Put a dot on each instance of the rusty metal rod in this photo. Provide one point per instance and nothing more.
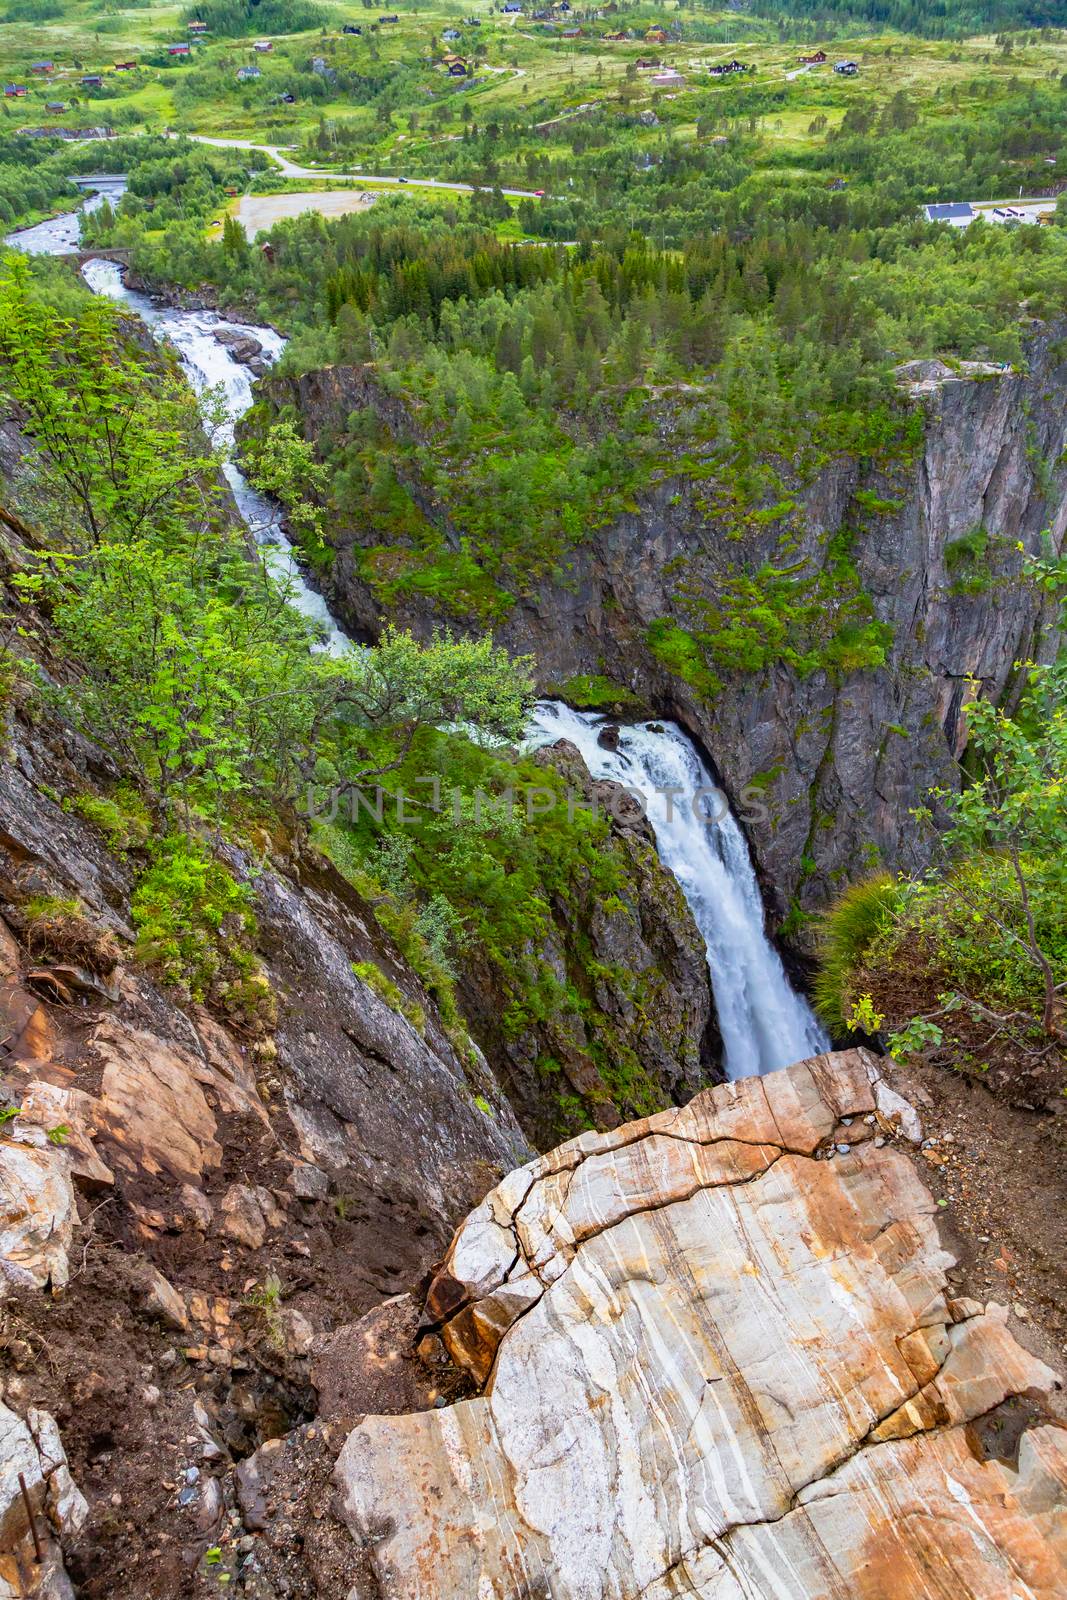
(38, 1552)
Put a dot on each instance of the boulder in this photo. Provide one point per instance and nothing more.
(196, 1210)
(246, 1215)
(33, 1450)
(48, 1106)
(241, 1217)
(716, 1364)
(66, 1505)
(160, 1299)
(152, 1107)
(297, 1334)
(253, 1479)
(242, 345)
(38, 1210)
(309, 1182)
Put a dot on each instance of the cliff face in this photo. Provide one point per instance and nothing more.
(198, 1199)
(187, 1201)
(839, 757)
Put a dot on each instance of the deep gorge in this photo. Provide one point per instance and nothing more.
(839, 758)
(533, 804)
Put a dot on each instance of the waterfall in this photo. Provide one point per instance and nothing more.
(764, 1023)
(210, 368)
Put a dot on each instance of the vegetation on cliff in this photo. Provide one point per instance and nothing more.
(708, 320)
(968, 964)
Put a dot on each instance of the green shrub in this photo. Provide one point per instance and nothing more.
(426, 937)
(196, 929)
(969, 929)
(122, 818)
(849, 929)
(967, 559)
(875, 505)
(595, 692)
(10, 672)
(680, 653)
(967, 550)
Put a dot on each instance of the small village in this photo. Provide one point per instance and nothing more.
(666, 67)
(556, 20)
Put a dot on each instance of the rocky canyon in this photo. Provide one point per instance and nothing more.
(533, 756)
(830, 760)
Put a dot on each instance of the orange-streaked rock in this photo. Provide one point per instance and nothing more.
(712, 1364)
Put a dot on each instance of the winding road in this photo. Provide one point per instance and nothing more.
(292, 170)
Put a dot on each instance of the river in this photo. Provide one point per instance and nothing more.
(764, 1023)
(208, 365)
(61, 236)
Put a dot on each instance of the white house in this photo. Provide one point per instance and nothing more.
(959, 213)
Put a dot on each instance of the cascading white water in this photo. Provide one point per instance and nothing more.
(765, 1024)
(61, 236)
(208, 365)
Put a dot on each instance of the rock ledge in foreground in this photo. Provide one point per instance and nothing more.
(716, 1365)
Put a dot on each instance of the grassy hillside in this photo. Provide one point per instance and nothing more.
(384, 94)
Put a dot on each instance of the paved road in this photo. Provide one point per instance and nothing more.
(1031, 209)
(292, 170)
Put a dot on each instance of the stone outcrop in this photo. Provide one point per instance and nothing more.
(38, 1211)
(243, 348)
(365, 1091)
(720, 1356)
(839, 761)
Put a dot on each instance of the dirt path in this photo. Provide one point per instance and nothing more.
(998, 1173)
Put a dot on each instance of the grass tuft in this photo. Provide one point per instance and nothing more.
(849, 929)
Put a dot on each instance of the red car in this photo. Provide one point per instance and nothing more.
(539, 194)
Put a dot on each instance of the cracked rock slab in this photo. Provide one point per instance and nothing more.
(715, 1364)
